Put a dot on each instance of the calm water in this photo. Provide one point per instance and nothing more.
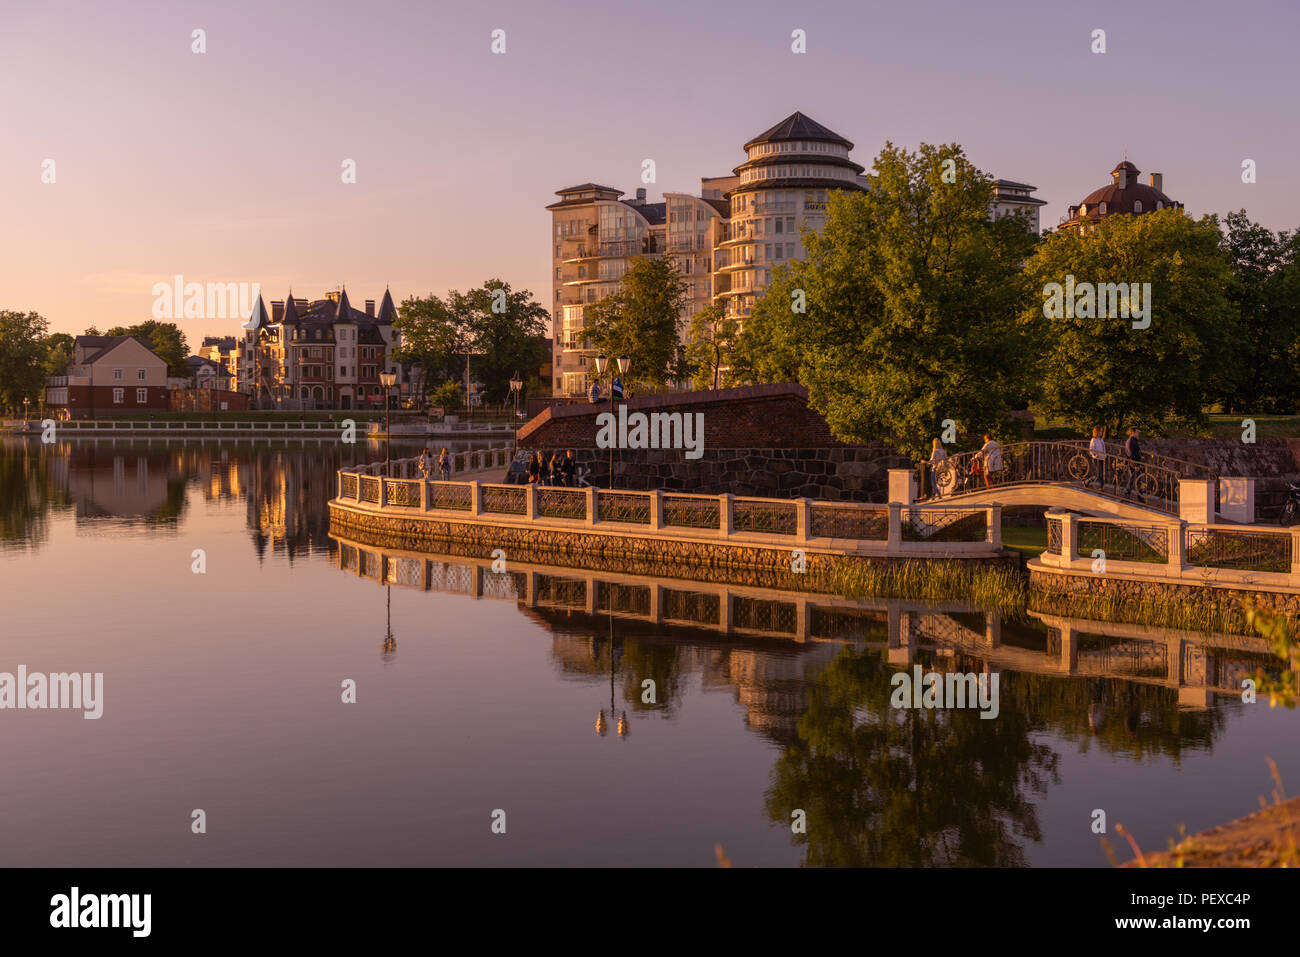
(222, 692)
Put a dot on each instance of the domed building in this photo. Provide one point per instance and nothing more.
(1124, 195)
(780, 188)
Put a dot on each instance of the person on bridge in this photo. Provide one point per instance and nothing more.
(937, 457)
(535, 468)
(444, 464)
(568, 469)
(991, 455)
(424, 462)
(1133, 452)
(1097, 451)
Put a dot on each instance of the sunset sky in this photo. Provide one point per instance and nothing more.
(225, 166)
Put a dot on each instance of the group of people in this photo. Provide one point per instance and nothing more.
(987, 463)
(560, 470)
(444, 463)
(595, 395)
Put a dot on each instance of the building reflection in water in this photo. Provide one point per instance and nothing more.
(811, 673)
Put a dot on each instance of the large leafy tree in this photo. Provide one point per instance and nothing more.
(502, 331)
(906, 310)
(166, 339)
(711, 349)
(433, 339)
(642, 320)
(58, 353)
(22, 358)
(1265, 292)
(508, 331)
(1103, 371)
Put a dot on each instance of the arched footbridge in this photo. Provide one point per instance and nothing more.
(1065, 475)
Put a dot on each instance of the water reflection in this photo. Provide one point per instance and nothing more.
(898, 787)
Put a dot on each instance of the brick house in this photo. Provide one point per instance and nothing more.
(108, 375)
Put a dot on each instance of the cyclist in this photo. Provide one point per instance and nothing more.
(1133, 453)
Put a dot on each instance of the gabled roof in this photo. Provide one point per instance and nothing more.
(95, 348)
(796, 126)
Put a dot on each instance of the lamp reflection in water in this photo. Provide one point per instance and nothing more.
(602, 725)
(389, 648)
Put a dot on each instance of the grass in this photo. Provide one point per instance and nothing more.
(1031, 540)
(1005, 589)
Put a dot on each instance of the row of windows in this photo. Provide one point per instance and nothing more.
(140, 374)
(779, 172)
(767, 149)
(141, 396)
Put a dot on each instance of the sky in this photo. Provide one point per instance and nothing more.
(227, 165)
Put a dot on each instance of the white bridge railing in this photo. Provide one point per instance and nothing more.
(894, 528)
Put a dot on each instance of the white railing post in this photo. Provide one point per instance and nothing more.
(1295, 555)
(656, 509)
(593, 515)
(339, 478)
(1069, 539)
(424, 494)
(993, 534)
(475, 503)
(1196, 501)
(726, 515)
(1177, 545)
(802, 518)
(895, 539)
(383, 491)
(530, 502)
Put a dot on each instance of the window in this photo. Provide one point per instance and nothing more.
(118, 395)
(139, 374)
(1137, 205)
(141, 396)
(778, 224)
(117, 375)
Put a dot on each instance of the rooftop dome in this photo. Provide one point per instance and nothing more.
(1124, 195)
(796, 126)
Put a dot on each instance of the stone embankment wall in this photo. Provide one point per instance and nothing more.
(758, 440)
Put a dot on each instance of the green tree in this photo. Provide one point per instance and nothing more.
(433, 339)
(59, 348)
(711, 349)
(22, 358)
(1103, 371)
(166, 339)
(1265, 293)
(906, 310)
(508, 331)
(642, 320)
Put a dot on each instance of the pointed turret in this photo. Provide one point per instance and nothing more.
(290, 313)
(259, 317)
(387, 311)
(343, 312)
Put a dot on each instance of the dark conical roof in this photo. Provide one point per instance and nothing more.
(796, 126)
(387, 311)
(290, 313)
(344, 310)
(259, 316)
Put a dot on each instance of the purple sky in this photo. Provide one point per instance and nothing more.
(225, 167)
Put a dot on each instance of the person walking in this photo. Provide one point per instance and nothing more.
(535, 468)
(568, 469)
(1133, 453)
(554, 470)
(991, 456)
(444, 464)
(424, 462)
(937, 458)
(1097, 452)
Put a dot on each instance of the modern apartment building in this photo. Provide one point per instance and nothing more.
(1010, 197)
(322, 354)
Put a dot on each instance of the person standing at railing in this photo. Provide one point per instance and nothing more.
(1097, 451)
(444, 464)
(535, 468)
(937, 457)
(1133, 452)
(567, 469)
(990, 455)
(553, 470)
(424, 462)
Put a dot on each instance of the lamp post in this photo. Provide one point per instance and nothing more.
(25, 401)
(624, 362)
(387, 379)
(602, 725)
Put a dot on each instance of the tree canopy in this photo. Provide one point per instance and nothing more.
(906, 311)
(22, 358)
(167, 340)
(643, 320)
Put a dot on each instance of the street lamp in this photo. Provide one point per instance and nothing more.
(602, 725)
(25, 401)
(516, 386)
(602, 362)
(388, 379)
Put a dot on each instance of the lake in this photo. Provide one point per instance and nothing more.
(201, 580)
